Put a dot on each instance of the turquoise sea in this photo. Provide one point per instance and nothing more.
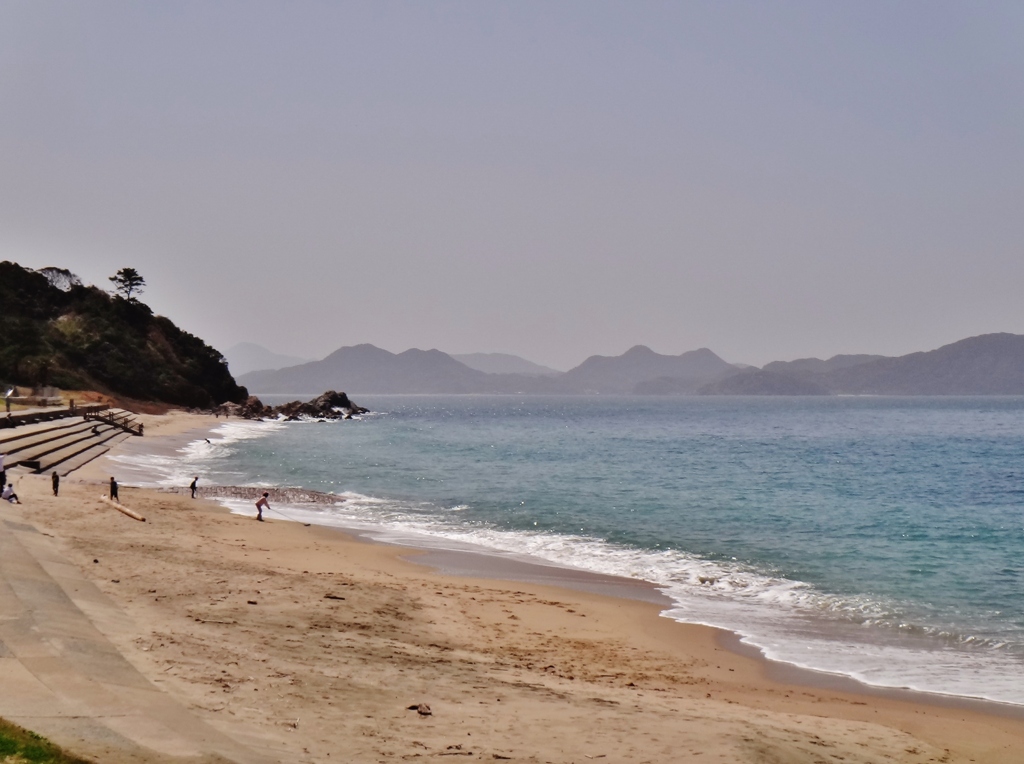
(880, 538)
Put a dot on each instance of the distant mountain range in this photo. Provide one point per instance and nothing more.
(991, 364)
(369, 369)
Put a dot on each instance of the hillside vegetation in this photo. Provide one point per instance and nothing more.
(80, 337)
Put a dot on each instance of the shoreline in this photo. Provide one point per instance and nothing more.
(344, 632)
(487, 564)
(498, 568)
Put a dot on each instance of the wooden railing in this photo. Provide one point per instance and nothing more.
(124, 421)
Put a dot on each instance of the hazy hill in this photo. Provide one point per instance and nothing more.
(82, 338)
(248, 356)
(764, 382)
(503, 363)
(818, 366)
(622, 374)
(369, 369)
(990, 364)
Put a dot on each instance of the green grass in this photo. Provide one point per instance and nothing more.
(19, 745)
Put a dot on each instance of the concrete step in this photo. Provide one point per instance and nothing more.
(31, 456)
(33, 431)
(80, 459)
(39, 442)
(65, 463)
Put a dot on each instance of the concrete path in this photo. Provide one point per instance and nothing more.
(61, 677)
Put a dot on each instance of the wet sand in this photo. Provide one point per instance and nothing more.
(313, 642)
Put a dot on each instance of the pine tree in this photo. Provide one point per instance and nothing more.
(126, 281)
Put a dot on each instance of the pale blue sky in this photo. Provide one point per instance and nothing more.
(768, 179)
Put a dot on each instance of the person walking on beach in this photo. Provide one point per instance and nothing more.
(113, 490)
(3, 470)
(55, 479)
(193, 487)
(261, 505)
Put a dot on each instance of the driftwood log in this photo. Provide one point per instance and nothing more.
(122, 508)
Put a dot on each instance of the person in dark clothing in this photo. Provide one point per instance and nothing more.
(113, 490)
(193, 486)
(55, 479)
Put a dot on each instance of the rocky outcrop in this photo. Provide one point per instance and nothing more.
(330, 405)
(253, 408)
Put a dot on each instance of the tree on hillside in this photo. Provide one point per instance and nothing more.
(126, 281)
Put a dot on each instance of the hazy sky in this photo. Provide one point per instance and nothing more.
(554, 179)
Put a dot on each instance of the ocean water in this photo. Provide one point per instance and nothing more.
(879, 538)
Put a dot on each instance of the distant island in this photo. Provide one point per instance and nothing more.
(990, 364)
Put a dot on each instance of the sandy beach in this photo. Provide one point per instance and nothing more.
(313, 645)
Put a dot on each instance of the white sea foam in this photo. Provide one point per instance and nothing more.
(177, 469)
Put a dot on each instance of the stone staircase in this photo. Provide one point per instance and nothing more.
(65, 444)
